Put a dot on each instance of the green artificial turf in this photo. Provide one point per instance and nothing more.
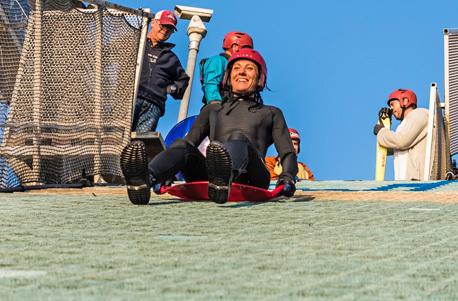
(104, 248)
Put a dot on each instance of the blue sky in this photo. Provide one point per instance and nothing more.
(331, 66)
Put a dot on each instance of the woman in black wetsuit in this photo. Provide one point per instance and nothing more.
(241, 129)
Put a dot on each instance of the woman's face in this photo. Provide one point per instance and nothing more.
(244, 76)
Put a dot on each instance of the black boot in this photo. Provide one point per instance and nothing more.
(219, 169)
(134, 166)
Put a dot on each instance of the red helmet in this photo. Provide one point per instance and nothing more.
(400, 94)
(240, 38)
(252, 55)
(294, 134)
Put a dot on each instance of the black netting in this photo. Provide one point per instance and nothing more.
(71, 90)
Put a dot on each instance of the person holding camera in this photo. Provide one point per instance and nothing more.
(408, 142)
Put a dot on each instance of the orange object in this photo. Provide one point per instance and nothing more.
(275, 169)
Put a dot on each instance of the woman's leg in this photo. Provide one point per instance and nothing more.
(247, 165)
(181, 156)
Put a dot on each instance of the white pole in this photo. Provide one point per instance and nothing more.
(37, 91)
(141, 53)
(98, 95)
(196, 32)
(433, 96)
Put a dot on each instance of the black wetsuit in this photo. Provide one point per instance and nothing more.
(246, 128)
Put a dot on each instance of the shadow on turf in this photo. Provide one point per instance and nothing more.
(297, 199)
(303, 199)
(164, 203)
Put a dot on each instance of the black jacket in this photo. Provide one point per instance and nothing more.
(262, 125)
(161, 68)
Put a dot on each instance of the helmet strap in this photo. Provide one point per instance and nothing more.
(402, 114)
(404, 110)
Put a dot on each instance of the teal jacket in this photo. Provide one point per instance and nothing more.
(212, 72)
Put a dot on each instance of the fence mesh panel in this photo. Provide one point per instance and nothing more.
(71, 90)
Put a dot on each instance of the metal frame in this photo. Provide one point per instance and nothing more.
(107, 4)
(98, 92)
(446, 72)
(433, 101)
(447, 76)
(437, 139)
(141, 54)
(36, 158)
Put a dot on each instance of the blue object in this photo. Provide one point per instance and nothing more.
(179, 131)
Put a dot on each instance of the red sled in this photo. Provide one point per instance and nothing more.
(194, 191)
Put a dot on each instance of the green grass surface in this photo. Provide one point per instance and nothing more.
(104, 248)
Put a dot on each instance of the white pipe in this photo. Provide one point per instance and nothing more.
(196, 32)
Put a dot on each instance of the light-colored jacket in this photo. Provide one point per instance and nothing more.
(409, 138)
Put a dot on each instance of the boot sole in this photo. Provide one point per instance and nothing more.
(134, 166)
(219, 169)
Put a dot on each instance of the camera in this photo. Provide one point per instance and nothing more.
(187, 12)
